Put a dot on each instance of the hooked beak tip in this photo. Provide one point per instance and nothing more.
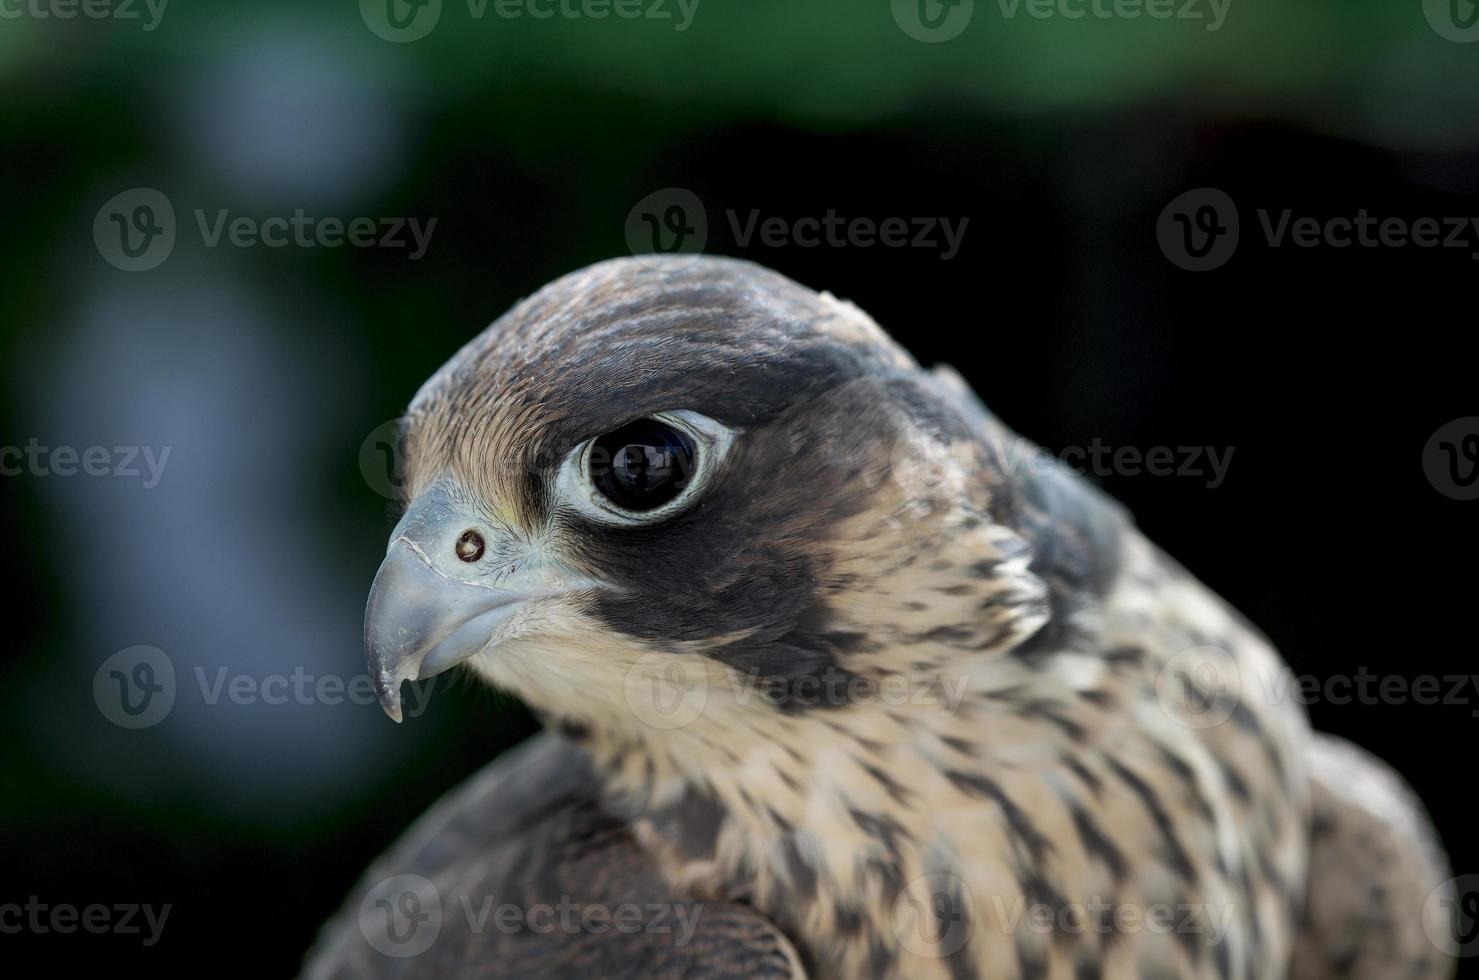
(388, 692)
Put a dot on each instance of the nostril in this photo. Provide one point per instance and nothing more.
(470, 546)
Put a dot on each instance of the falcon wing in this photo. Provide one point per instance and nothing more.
(520, 872)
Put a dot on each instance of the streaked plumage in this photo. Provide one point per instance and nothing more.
(927, 687)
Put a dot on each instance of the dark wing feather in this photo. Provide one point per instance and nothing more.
(531, 877)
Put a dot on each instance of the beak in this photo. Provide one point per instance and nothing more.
(420, 622)
(429, 610)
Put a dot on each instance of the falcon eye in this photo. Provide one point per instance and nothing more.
(642, 465)
(644, 471)
(470, 546)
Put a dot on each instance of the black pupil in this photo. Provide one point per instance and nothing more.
(642, 465)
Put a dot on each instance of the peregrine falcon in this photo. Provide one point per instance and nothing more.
(839, 679)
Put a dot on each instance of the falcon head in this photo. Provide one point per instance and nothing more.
(664, 493)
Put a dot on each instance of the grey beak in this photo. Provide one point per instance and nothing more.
(420, 622)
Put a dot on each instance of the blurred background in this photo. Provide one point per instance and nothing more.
(238, 237)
